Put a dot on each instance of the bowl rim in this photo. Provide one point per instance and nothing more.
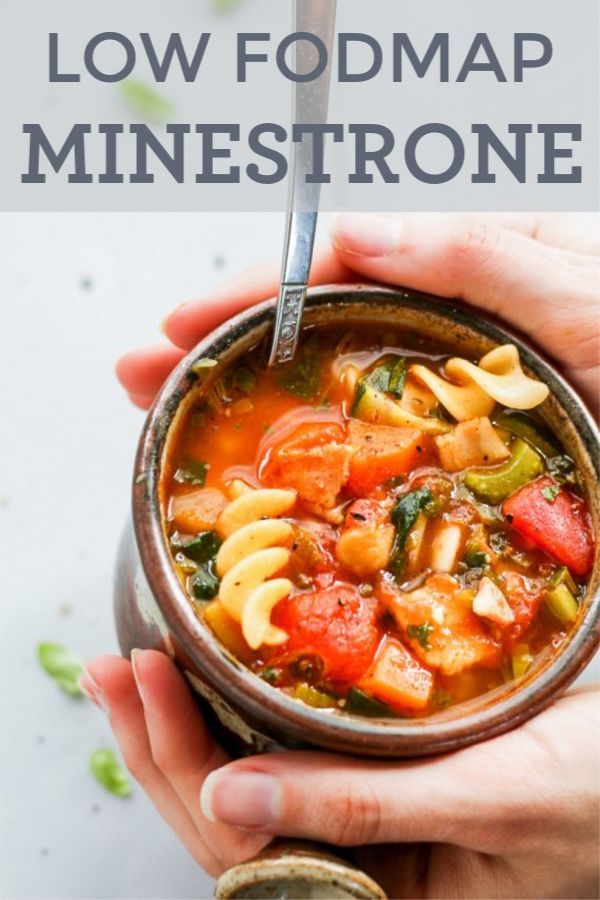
(242, 688)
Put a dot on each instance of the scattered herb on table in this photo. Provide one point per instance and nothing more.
(64, 667)
(109, 773)
(145, 101)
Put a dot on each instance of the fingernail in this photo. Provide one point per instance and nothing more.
(92, 691)
(243, 799)
(366, 234)
(163, 325)
(136, 674)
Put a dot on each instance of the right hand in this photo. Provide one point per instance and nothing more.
(540, 274)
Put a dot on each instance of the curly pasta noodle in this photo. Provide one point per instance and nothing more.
(474, 390)
(251, 553)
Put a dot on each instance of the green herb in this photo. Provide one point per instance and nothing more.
(421, 634)
(202, 548)
(475, 559)
(302, 378)
(389, 377)
(551, 492)
(193, 472)
(145, 101)
(271, 674)
(561, 468)
(108, 771)
(63, 666)
(244, 379)
(404, 515)
(201, 366)
(204, 582)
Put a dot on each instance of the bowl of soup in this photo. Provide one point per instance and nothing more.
(386, 547)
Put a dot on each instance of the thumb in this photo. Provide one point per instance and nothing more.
(340, 801)
(544, 291)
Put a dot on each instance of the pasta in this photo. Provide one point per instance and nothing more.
(498, 378)
(249, 556)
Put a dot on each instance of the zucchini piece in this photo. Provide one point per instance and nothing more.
(523, 426)
(494, 485)
(521, 660)
(561, 602)
(372, 405)
(312, 697)
(360, 703)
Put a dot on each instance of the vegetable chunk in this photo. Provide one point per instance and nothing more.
(557, 522)
(397, 678)
(315, 462)
(380, 452)
(442, 629)
(197, 510)
(337, 625)
(472, 443)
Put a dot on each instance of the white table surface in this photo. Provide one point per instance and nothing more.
(75, 292)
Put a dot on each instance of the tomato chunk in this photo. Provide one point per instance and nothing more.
(337, 625)
(380, 452)
(555, 520)
(397, 678)
(314, 461)
(524, 596)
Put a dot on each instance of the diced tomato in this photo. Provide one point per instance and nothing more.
(337, 625)
(559, 523)
(314, 460)
(380, 452)
(397, 678)
(524, 596)
(365, 512)
(442, 629)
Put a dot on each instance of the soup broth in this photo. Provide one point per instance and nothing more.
(380, 527)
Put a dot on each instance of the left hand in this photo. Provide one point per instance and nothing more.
(515, 816)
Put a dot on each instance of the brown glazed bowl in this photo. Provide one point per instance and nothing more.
(152, 610)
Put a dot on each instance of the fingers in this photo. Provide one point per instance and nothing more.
(191, 322)
(109, 682)
(143, 371)
(184, 751)
(329, 798)
(543, 291)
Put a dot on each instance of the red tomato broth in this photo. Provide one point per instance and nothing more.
(335, 618)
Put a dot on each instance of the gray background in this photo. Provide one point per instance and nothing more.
(565, 91)
(75, 292)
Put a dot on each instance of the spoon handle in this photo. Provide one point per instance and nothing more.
(310, 107)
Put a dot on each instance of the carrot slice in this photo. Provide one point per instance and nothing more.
(380, 452)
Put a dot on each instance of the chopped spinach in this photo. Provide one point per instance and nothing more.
(404, 515)
(389, 377)
(201, 548)
(204, 582)
(365, 705)
(475, 559)
(302, 378)
(63, 666)
(192, 472)
(421, 633)
(271, 674)
(561, 468)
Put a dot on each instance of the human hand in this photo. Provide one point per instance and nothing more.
(516, 816)
(541, 274)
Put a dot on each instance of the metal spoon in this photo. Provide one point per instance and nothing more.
(310, 107)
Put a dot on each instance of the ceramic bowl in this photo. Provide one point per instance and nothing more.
(152, 609)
